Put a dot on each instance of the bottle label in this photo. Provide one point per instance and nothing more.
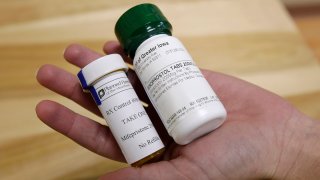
(126, 117)
(174, 84)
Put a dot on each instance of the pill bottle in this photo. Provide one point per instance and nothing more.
(128, 121)
(184, 100)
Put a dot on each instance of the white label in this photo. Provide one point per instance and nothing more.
(127, 119)
(174, 84)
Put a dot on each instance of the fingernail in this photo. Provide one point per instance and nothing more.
(63, 51)
(130, 66)
(36, 72)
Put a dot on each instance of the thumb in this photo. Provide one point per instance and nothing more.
(161, 170)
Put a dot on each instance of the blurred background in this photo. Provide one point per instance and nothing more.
(274, 44)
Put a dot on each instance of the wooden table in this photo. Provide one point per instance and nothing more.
(255, 40)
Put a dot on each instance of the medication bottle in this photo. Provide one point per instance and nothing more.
(129, 123)
(184, 100)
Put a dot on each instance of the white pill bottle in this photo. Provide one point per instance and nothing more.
(118, 103)
(184, 100)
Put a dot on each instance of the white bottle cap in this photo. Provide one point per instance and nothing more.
(100, 67)
(97, 69)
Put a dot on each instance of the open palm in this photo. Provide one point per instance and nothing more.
(250, 144)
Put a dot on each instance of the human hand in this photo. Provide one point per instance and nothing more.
(261, 138)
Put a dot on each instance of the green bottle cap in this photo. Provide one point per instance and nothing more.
(138, 24)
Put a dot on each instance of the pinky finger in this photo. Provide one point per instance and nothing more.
(82, 130)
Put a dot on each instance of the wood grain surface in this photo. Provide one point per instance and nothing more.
(256, 40)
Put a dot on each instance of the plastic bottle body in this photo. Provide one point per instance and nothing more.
(127, 119)
(121, 108)
(184, 100)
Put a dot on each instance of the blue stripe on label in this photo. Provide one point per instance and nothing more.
(83, 81)
(85, 86)
(95, 95)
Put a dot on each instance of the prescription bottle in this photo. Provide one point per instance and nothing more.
(184, 100)
(128, 121)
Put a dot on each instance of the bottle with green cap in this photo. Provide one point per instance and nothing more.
(184, 100)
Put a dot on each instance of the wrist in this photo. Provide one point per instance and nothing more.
(300, 156)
